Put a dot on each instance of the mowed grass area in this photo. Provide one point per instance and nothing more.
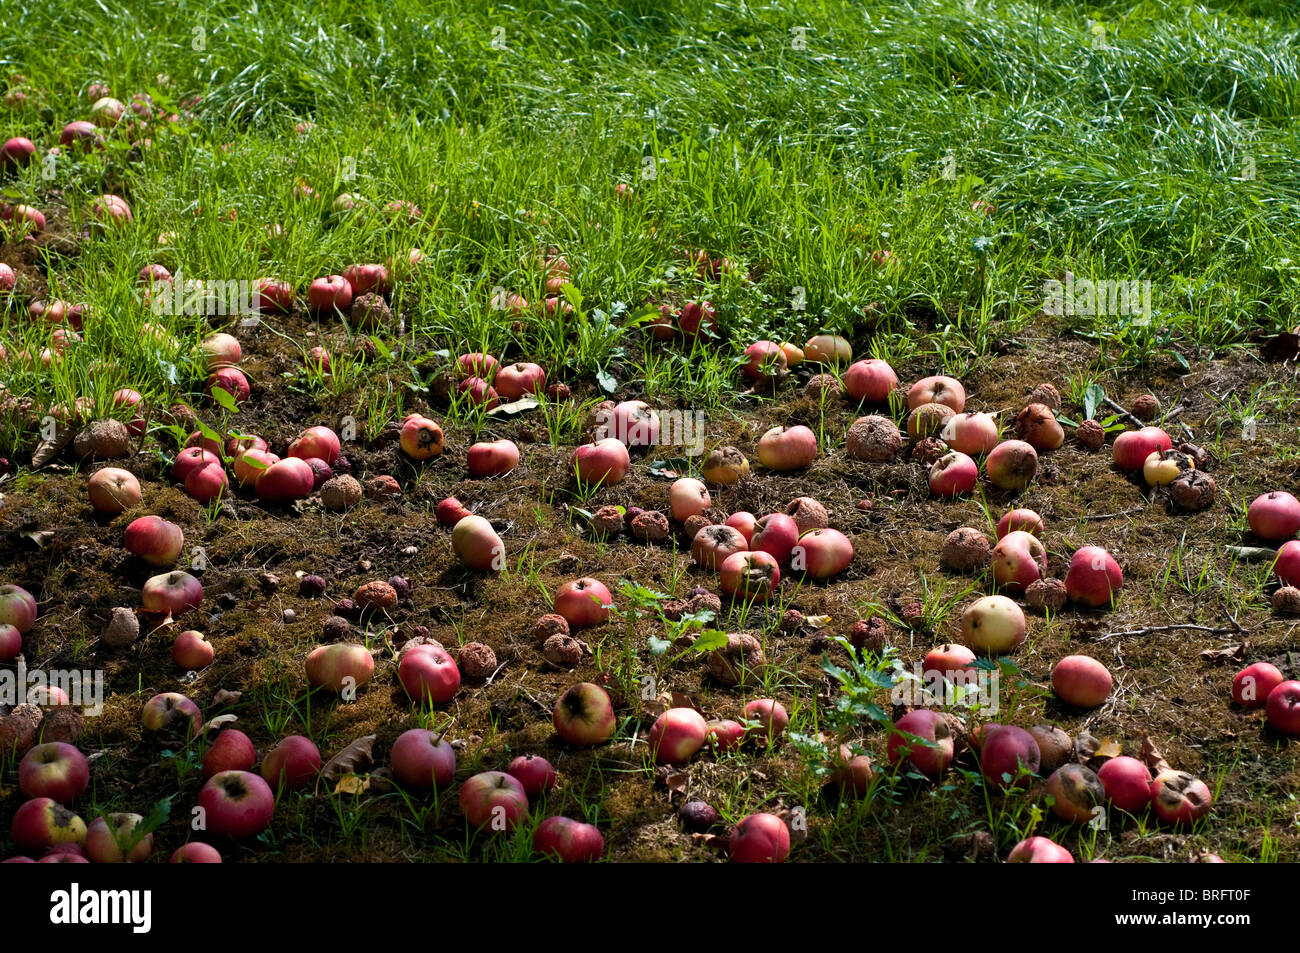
(988, 147)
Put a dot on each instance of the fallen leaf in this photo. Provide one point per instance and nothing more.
(220, 720)
(516, 406)
(1231, 653)
(357, 756)
(224, 697)
(352, 784)
(715, 841)
(39, 537)
(1152, 756)
(816, 621)
(1110, 748)
(47, 450)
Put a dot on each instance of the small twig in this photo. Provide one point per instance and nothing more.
(1116, 407)
(1175, 627)
(495, 674)
(1106, 516)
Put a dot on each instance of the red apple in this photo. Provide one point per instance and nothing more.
(516, 380)
(771, 717)
(677, 735)
(749, 575)
(340, 666)
(285, 481)
(760, 839)
(274, 295)
(251, 464)
(231, 750)
(745, 522)
(697, 318)
(937, 390)
(477, 545)
(450, 511)
(191, 459)
(421, 438)
(171, 713)
(569, 841)
(332, 293)
(1127, 783)
(713, 544)
(725, 734)
(1134, 446)
(319, 442)
(155, 540)
(423, 759)
(1011, 465)
(192, 652)
(55, 770)
(604, 462)
(584, 715)
(492, 459)
(232, 381)
(1019, 558)
(1283, 708)
(221, 350)
(764, 361)
(196, 853)
(113, 490)
(237, 804)
(478, 392)
(206, 483)
(1093, 577)
(42, 823)
(1039, 850)
(949, 661)
(1180, 798)
(428, 674)
(11, 642)
(16, 152)
(688, 497)
(17, 608)
(111, 840)
(974, 434)
(493, 800)
(870, 381)
(293, 763)
(1287, 564)
(787, 448)
(1006, 751)
(923, 737)
(822, 553)
(1274, 516)
(582, 602)
(1081, 681)
(174, 593)
(366, 278)
(776, 534)
(1022, 520)
(1253, 684)
(953, 474)
(535, 773)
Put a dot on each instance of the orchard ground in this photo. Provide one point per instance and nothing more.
(990, 149)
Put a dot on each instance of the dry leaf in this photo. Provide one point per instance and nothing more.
(39, 537)
(716, 841)
(224, 697)
(682, 700)
(514, 407)
(1231, 653)
(1110, 748)
(47, 450)
(816, 621)
(220, 720)
(1152, 756)
(357, 756)
(352, 784)
(1085, 745)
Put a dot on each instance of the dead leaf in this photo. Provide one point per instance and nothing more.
(1152, 756)
(654, 707)
(1085, 745)
(224, 697)
(816, 621)
(715, 841)
(39, 537)
(516, 406)
(47, 450)
(676, 783)
(1110, 748)
(357, 756)
(352, 784)
(682, 700)
(220, 720)
(1230, 653)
